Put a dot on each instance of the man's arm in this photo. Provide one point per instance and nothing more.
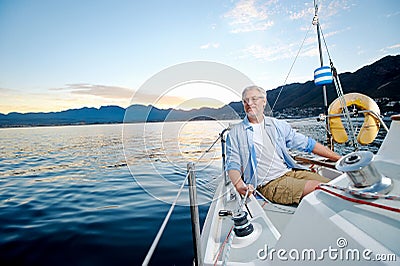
(238, 182)
(325, 152)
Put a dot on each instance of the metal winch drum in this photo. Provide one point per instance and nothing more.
(362, 173)
(242, 226)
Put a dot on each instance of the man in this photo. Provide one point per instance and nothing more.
(257, 150)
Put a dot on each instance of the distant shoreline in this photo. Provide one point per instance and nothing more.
(384, 118)
(380, 81)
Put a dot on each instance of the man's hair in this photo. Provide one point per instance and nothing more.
(254, 87)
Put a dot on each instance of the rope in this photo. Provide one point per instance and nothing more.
(359, 201)
(242, 202)
(162, 228)
(222, 246)
(230, 239)
(228, 248)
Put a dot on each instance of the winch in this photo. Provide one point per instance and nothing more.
(242, 225)
(362, 173)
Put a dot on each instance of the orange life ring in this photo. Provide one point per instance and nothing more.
(370, 127)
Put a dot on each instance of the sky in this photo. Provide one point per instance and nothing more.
(64, 54)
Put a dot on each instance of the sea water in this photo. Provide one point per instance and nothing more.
(98, 194)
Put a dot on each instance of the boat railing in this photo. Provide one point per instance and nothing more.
(356, 112)
(222, 136)
(191, 180)
(163, 225)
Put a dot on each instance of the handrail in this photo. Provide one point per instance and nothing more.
(312, 161)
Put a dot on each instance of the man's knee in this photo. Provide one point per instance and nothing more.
(310, 186)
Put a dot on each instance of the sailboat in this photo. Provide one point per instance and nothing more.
(354, 219)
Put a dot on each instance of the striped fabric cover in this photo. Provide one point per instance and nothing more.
(323, 76)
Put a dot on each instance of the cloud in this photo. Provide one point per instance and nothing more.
(279, 52)
(393, 14)
(390, 48)
(334, 7)
(248, 16)
(305, 13)
(14, 100)
(254, 15)
(209, 45)
(4, 91)
(396, 46)
(307, 10)
(338, 5)
(271, 53)
(283, 49)
(104, 91)
(71, 96)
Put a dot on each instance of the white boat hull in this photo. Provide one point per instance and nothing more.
(324, 228)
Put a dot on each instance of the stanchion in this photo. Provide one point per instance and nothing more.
(194, 213)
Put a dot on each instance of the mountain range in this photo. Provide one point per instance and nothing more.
(380, 81)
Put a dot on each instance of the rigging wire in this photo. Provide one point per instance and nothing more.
(340, 93)
(326, 46)
(291, 67)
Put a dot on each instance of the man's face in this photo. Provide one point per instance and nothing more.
(254, 103)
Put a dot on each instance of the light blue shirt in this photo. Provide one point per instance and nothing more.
(240, 150)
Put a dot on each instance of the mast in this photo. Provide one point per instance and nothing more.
(329, 139)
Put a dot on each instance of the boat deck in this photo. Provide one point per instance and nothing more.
(280, 215)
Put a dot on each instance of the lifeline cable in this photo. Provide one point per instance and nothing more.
(162, 228)
(206, 151)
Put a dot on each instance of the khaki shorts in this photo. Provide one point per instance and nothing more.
(288, 188)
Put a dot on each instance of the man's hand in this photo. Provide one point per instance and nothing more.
(237, 181)
(242, 188)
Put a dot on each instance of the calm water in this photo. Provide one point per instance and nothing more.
(97, 195)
